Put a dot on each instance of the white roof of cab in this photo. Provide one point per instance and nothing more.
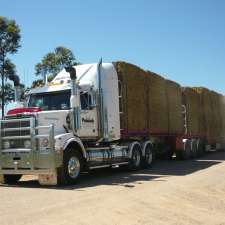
(86, 75)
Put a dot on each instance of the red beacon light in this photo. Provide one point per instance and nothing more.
(24, 110)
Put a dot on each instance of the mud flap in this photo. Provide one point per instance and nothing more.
(2, 180)
(47, 179)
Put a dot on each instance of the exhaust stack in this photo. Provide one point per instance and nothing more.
(74, 99)
(16, 81)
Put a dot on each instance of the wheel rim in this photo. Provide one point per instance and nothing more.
(136, 158)
(74, 167)
(148, 156)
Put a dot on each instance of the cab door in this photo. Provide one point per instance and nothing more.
(88, 115)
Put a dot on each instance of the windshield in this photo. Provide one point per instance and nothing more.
(50, 101)
(58, 100)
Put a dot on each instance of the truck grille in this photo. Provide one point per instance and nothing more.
(6, 126)
(15, 131)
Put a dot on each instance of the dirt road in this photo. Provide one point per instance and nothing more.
(173, 192)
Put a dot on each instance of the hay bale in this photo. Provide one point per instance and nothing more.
(157, 104)
(134, 97)
(222, 112)
(216, 116)
(191, 99)
(144, 100)
(207, 113)
(174, 102)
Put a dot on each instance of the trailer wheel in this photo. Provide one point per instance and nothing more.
(135, 160)
(200, 147)
(193, 148)
(12, 179)
(149, 157)
(73, 164)
(186, 151)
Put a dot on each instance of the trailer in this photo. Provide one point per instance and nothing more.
(96, 116)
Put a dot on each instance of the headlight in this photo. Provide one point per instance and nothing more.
(44, 142)
(6, 144)
(27, 144)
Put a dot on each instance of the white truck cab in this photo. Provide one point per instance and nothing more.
(54, 100)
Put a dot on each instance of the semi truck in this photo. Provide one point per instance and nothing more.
(96, 116)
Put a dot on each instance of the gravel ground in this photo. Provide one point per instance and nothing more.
(173, 192)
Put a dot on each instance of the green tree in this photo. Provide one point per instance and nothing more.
(9, 44)
(8, 93)
(52, 63)
(9, 74)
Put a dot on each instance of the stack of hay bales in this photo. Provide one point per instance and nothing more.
(191, 99)
(207, 112)
(216, 116)
(153, 105)
(222, 112)
(157, 104)
(218, 106)
(221, 100)
(144, 100)
(174, 102)
(134, 97)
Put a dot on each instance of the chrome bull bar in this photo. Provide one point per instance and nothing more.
(34, 160)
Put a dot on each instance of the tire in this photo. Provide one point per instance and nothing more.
(148, 159)
(135, 160)
(12, 179)
(193, 148)
(186, 151)
(73, 164)
(200, 147)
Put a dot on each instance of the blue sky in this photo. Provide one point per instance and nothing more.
(183, 40)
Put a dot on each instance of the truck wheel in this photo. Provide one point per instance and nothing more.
(148, 158)
(186, 151)
(135, 160)
(12, 179)
(72, 167)
(193, 148)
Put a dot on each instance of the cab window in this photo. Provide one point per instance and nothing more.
(85, 100)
